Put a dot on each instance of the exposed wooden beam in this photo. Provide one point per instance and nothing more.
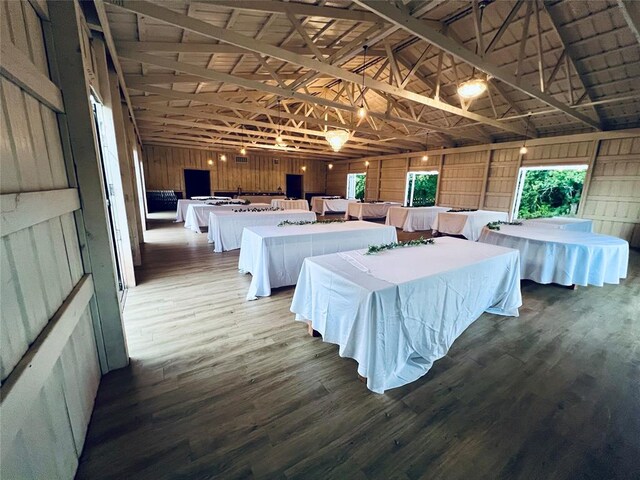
(631, 13)
(393, 14)
(503, 28)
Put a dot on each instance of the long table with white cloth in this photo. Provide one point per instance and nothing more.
(274, 255)
(398, 311)
(290, 204)
(563, 223)
(412, 219)
(565, 257)
(323, 205)
(369, 209)
(183, 205)
(225, 228)
(467, 224)
(198, 214)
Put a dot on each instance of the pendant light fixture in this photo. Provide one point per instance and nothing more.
(362, 111)
(523, 148)
(474, 87)
(243, 151)
(425, 157)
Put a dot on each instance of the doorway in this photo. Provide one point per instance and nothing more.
(548, 191)
(356, 184)
(421, 188)
(294, 186)
(197, 183)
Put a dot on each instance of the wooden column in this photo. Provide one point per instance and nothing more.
(483, 192)
(83, 162)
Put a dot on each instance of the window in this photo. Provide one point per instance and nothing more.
(356, 183)
(421, 189)
(549, 191)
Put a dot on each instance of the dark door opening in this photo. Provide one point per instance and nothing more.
(294, 186)
(197, 183)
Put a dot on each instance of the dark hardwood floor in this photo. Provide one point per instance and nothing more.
(223, 388)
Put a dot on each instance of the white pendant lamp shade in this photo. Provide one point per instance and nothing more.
(472, 88)
(337, 138)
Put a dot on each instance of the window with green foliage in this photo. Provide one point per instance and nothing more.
(356, 185)
(549, 192)
(421, 189)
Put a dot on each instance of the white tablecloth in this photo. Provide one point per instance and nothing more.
(467, 224)
(369, 210)
(274, 255)
(412, 219)
(181, 211)
(198, 214)
(261, 198)
(565, 257)
(399, 311)
(225, 228)
(323, 205)
(290, 204)
(563, 223)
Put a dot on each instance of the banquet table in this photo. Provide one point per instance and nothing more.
(290, 204)
(565, 257)
(181, 211)
(323, 205)
(261, 198)
(412, 219)
(398, 311)
(198, 215)
(225, 228)
(274, 255)
(563, 223)
(369, 209)
(467, 224)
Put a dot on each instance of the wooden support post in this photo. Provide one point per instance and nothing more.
(485, 181)
(587, 180)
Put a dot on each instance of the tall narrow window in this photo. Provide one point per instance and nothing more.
(421, 189)
(549, 191)
(356, 183)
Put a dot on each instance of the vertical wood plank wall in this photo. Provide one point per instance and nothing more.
(49, 364)
(164, 170)
(485, 176)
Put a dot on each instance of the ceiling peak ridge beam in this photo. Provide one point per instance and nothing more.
(631, 13)
(414, 26)
(206, 29)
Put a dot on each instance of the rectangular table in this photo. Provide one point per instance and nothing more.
(290, 204)
(274, 255)
(563, 223)
(225, 228)
(181, 211)
(369, 209)
(399, 311)
(261, 198)
(332, 205)
(198, 214)
(412, 219)
(467, 224)
(565, 257)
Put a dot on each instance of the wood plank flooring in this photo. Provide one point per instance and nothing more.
(223, 388)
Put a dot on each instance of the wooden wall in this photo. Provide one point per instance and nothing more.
(164, 168)
(50, 356)
(485, 176)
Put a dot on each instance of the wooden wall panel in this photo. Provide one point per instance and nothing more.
(503, 174)
(337, 179)
(461, 179)
(164, 167)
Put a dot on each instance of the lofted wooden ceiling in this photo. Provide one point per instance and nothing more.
(226, 74)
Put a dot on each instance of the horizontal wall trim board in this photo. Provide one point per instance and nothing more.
(23, 210)
(19, 69)
(610, 219)
(24, 383)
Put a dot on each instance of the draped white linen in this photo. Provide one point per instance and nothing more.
(225, 228)
(181, 211)
(399, 311)
(274, 255)
(414, 219)
(261, 198)
(290, 204)
(565, 257)
(369, 210)
(332, 205)
(198, 215)
(467, 224)
(563, 223)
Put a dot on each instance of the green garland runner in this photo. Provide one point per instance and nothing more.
(256, 209)
(496, 225)
(460, 210)
(373, 249)
(286, 223)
